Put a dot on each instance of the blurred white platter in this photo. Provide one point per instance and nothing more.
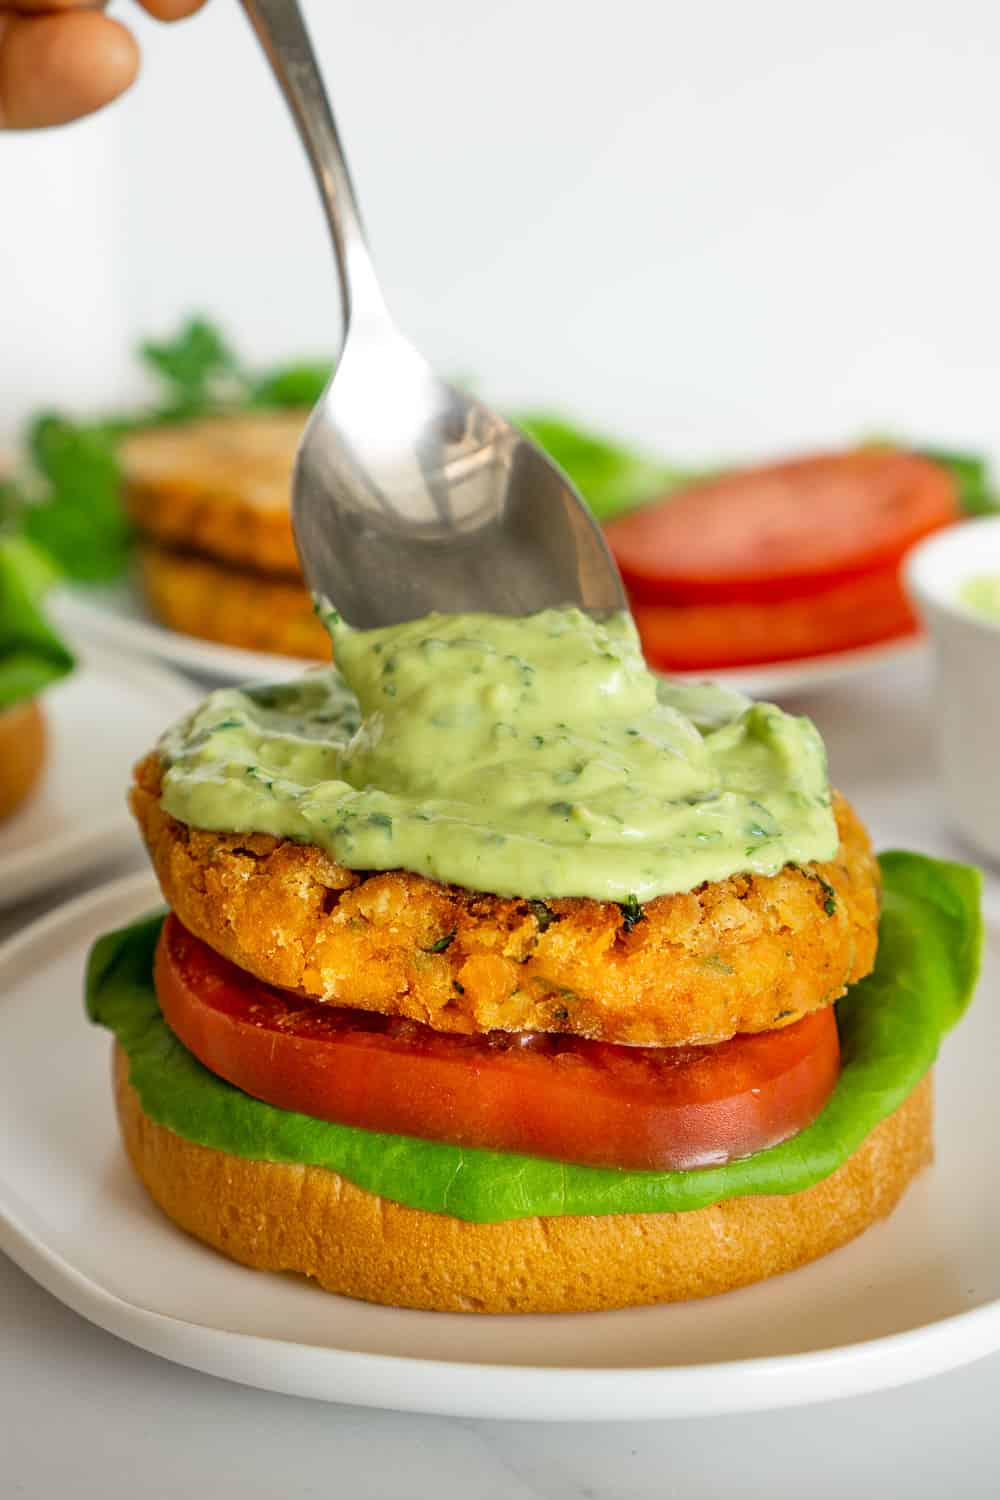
(100, 720)
(118, 617)
(781, 679)
(916, 1295)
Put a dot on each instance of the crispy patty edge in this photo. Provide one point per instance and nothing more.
(745, 954)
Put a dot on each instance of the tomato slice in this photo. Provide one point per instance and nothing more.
(847, 615)
(782, 530)
(577, 1101)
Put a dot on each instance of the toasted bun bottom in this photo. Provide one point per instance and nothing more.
(22, 753)
(307, 1219)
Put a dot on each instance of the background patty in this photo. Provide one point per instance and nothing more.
(221, 486)
(219, 602)
(744, 954)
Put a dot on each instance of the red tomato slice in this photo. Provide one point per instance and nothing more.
(577, 1101)
(774, 532)
(848, 614)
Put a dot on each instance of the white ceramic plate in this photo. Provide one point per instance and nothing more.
(118, 617)
(914, 1296)
(783, 679)
(100, 720)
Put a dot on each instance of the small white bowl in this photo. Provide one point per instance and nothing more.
(967, 660)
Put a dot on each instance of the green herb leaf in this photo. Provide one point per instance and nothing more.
(632, 913)
(11, 501)
(442, 943)
(543, 915)
(292, 385)
(199, 369)
(76, 515)
(829, 894)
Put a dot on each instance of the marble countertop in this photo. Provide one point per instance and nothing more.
(88, 1417)
(85, 1415)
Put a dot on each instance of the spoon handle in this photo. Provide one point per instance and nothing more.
(281, 31)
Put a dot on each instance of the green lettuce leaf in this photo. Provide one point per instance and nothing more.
(891, 1025)
(611, 477)
(11, 501)
(31, 653)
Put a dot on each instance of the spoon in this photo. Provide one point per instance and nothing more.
(408, 495)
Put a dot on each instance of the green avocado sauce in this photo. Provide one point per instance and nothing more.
(982, 593)
(535, 757)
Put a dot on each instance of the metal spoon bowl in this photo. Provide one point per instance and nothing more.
(408, 495)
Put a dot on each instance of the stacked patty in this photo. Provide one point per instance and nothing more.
(315, 945)
(210, 502)
(740, 955)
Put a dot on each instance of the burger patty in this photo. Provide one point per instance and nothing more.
(220, 485)
(219, 602)
(739, 955)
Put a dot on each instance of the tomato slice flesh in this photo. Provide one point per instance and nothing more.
(781, 530)
(845, 616)
(563, 1097)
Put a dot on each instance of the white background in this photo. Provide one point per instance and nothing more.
(719, 227)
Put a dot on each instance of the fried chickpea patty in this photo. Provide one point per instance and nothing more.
(739, 955)
(257, 611)
(221, 486)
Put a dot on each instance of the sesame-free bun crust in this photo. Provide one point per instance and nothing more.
(276, 1217)
(739, 955)
(22, 754)
(219, 602)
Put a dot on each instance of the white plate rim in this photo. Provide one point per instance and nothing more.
(83, 847)
(487, 1390)
(804, 672)
(75, 612)
(217, 660)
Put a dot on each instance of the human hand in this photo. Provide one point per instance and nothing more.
(60, 59)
